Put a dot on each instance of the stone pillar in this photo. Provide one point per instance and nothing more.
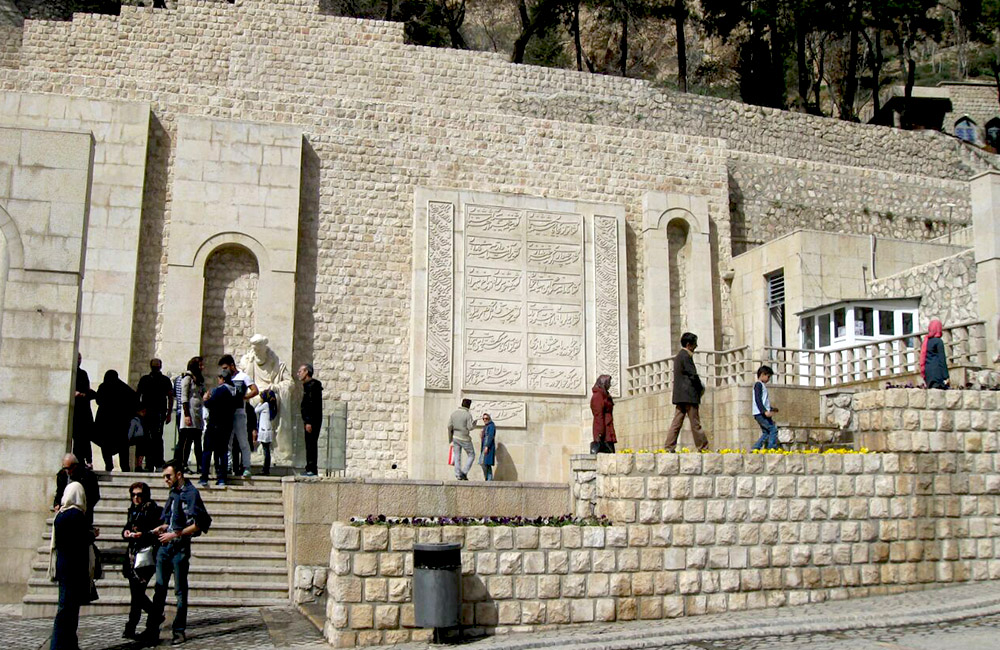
(45, 179)
(659, 209)
(235, 184)
(986, 234)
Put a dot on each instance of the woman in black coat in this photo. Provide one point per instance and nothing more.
(116, 404)
(143, 516)
(69, 565)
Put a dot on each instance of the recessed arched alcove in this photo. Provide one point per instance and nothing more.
(229, 300)
(676, 272)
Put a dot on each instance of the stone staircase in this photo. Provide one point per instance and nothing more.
(241, 562)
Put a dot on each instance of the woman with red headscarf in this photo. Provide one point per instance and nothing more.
(602, 406)
(933, 363)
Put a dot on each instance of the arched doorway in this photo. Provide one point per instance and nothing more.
(229, 304)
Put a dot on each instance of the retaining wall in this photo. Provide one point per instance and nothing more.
(693, 533)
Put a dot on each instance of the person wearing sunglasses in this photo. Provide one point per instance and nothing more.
(143, 516)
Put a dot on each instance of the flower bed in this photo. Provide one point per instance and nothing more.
(779, 452)
(563, 520)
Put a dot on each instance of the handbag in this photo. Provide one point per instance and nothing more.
(451, 451)
(144, 558)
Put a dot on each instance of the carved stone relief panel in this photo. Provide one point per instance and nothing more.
(607, 298)
(524, 300)
(505, 414)
(440, 294)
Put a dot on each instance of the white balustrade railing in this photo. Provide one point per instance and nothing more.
(715, 367)
(965, 345)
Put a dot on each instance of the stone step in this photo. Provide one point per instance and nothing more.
(139, 476)
(235, 545)
(118, 586)
(222, 528)
(268, 490)
(44, 605)
(208, 555)
(208, 495)
(240, 572)
(223, 520)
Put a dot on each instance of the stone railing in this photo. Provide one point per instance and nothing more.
(692, 533)
(965, 346)
(716, 368)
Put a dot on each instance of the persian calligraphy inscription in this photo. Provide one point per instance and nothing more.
(440, 294)
(524, 300)
(606, 272)
(505, 414)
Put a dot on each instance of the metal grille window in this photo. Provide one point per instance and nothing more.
(776, 309)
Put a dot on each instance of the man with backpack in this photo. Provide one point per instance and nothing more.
(184, 517)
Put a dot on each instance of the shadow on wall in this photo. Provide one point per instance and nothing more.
(505, 469)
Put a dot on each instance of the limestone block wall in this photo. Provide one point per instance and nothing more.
(120, 131)
(691, 534)
(947, 287)
(642, 421)
(913, 419)
(380, 119)
(766, 203)
(44, 186)
(230, 302)
(313, 505)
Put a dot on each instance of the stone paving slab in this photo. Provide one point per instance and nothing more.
(208, 629)
(866, 620)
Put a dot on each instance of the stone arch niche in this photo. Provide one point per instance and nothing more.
(229, 302)
(209, 305)
(677, 272)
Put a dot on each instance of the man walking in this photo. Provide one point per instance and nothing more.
(156, 395)
(184, 516)
(688, 390)
(459, 425)
(312, 415)
(246, 390)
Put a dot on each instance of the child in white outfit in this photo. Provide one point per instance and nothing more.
(267, 415)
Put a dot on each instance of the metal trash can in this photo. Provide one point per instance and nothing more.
(437, 585)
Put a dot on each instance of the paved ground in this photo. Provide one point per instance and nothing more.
(954, 618)
(228, 629)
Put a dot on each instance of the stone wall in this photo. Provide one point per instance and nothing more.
(947, 287)
(230, 302)
(381, 118)
(772, 196)
(315, 504)
(44, 186)
(914, 419)
(692, 534)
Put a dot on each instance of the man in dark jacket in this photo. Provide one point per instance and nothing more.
(221, 403)
(156, 395)
(688, 390)
(83, 417)
(74, 470)
(312, 415)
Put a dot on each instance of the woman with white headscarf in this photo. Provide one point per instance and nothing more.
(69, 565)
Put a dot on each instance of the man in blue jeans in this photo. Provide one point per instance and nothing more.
(762, 410)
(184, 516)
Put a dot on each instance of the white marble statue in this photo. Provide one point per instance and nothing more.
(268, 371)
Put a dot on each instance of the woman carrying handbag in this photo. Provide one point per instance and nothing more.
(143, 516)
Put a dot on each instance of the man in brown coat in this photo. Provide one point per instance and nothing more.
(688, 390)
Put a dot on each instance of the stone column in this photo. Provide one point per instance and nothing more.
(46, 181)
(986, 233)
